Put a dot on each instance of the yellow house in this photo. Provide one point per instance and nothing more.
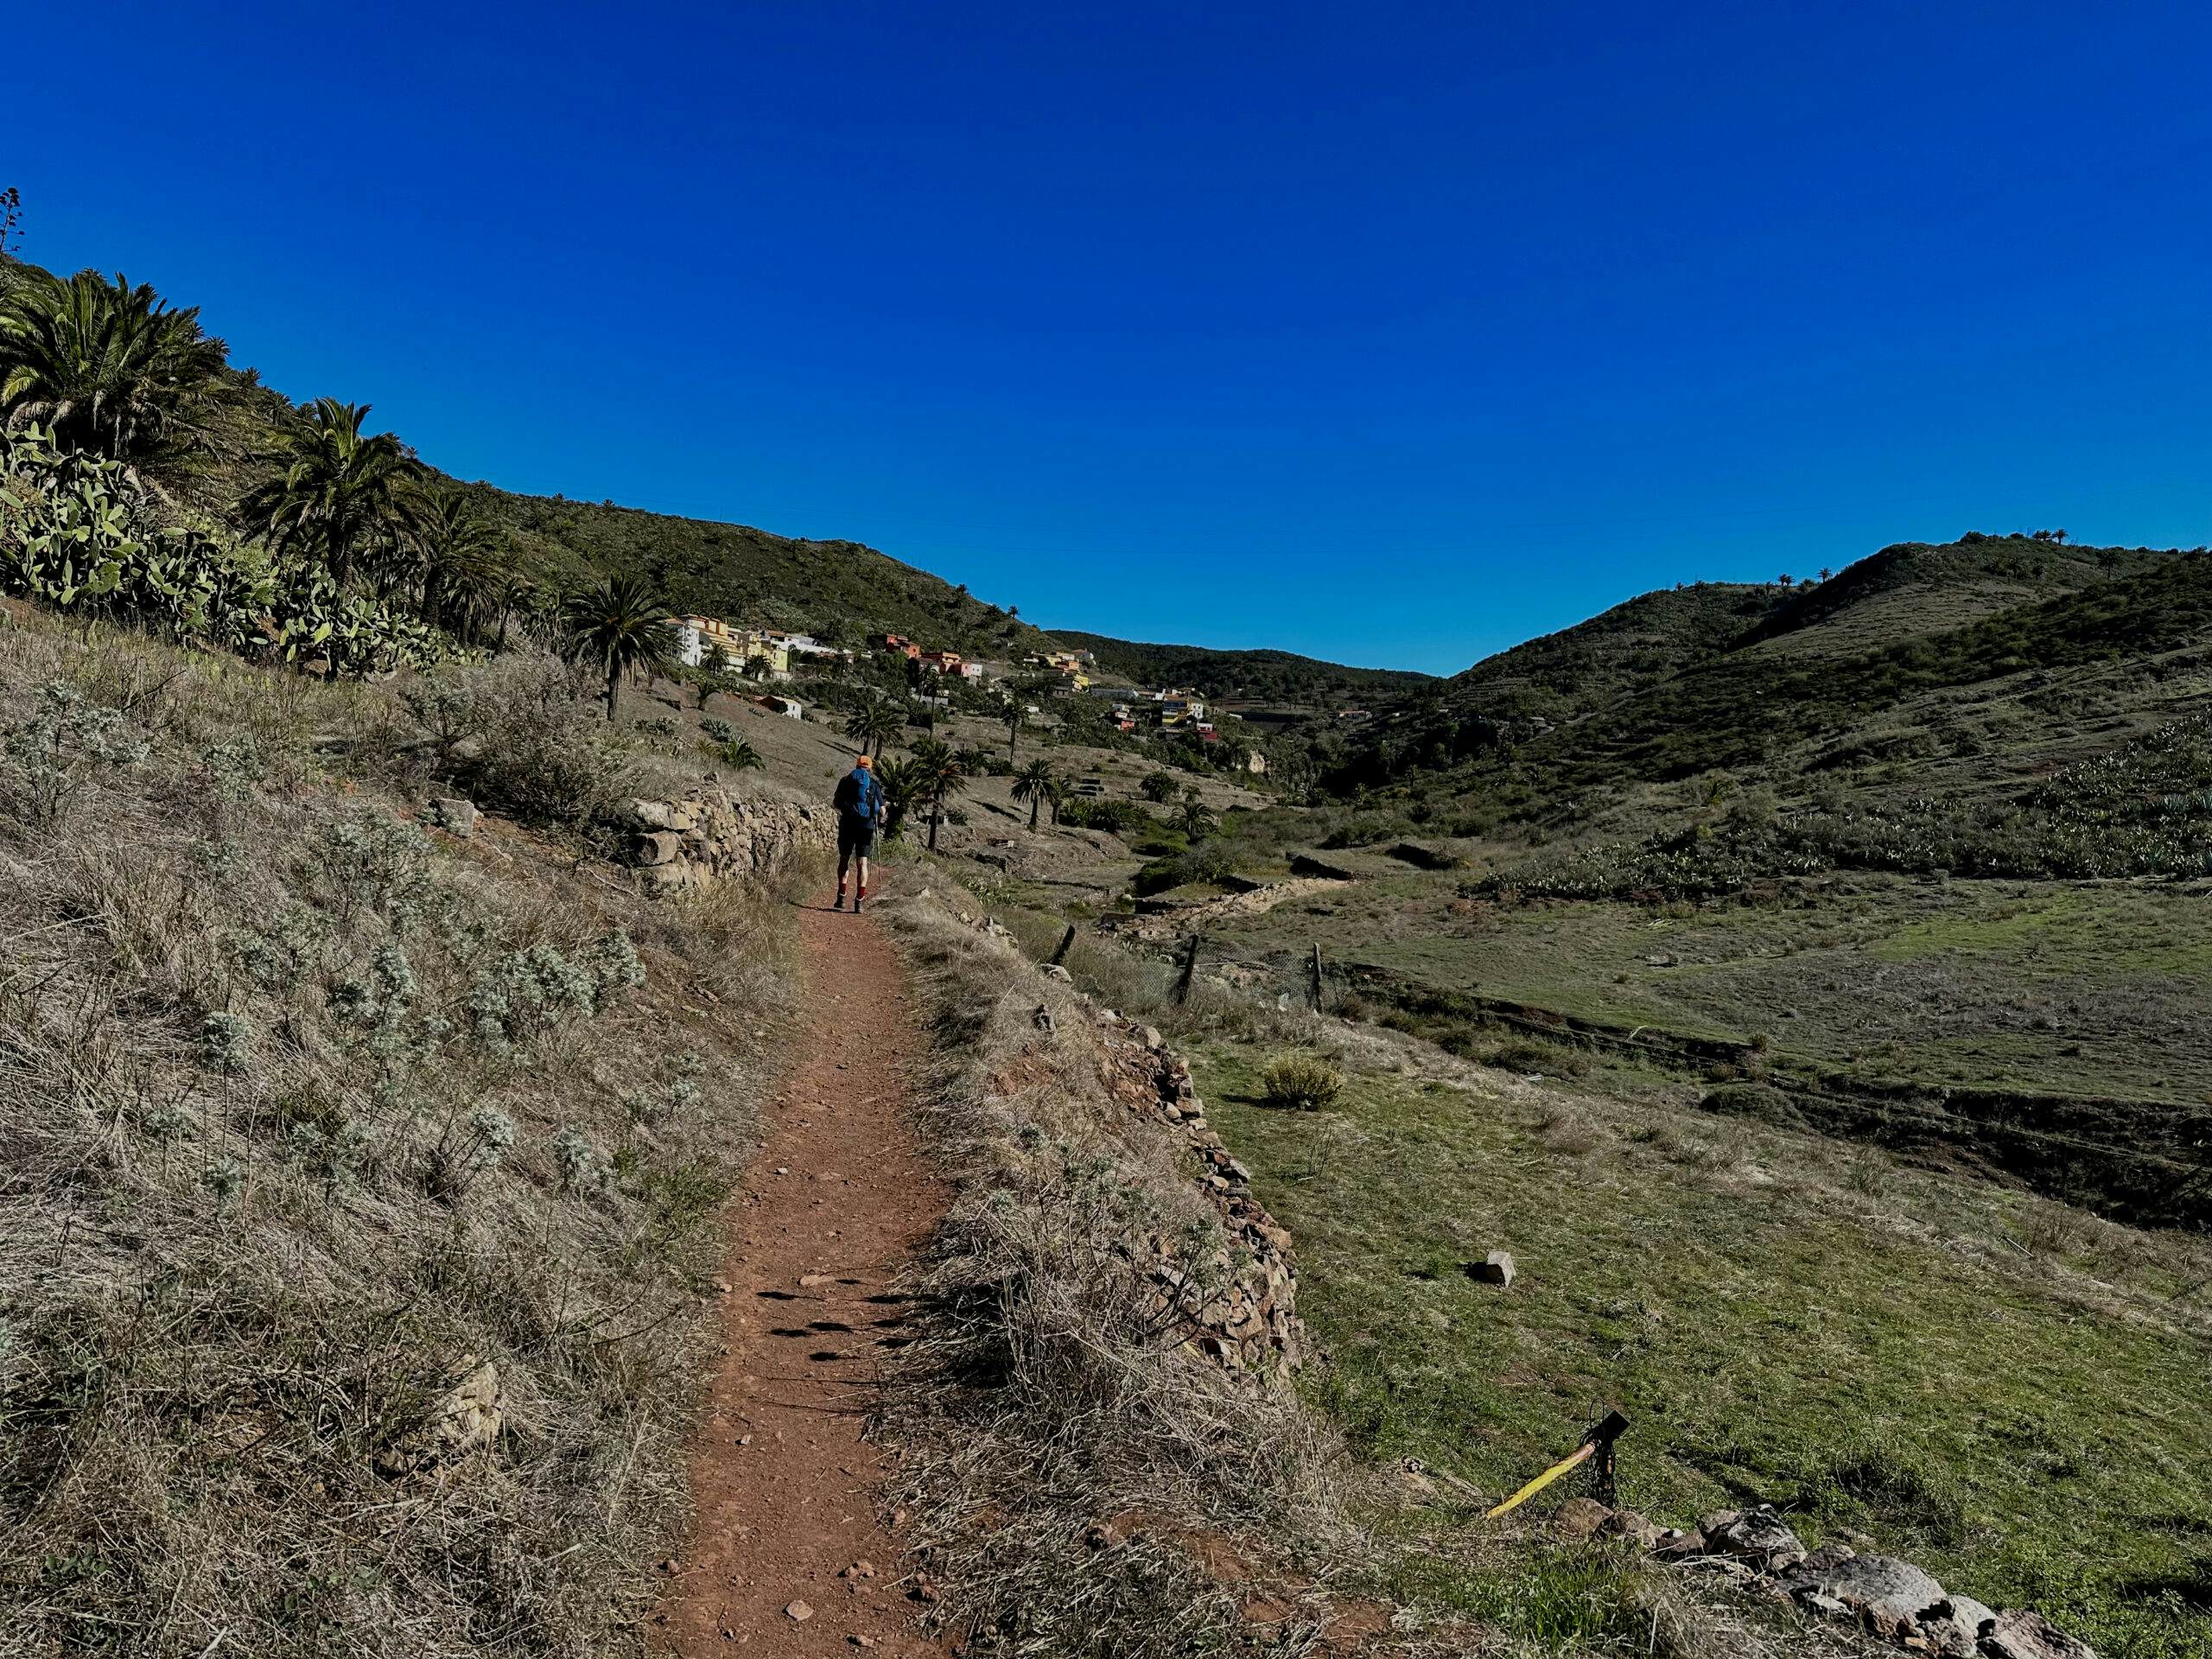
(703, 640)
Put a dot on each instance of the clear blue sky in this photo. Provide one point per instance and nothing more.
(1390, 332)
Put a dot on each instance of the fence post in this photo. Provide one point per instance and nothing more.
(1066, 939)
(1190, 968)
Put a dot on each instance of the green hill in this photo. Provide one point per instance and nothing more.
(837, 588)
(1266, 676)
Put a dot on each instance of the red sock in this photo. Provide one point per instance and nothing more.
(841, 891)
(863, 893)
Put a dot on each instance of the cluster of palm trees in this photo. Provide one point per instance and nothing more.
(361, 505)
(108, 368)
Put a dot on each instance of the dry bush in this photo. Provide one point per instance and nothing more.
(302, 1112)
(1305, 1083)
(1049, 1397)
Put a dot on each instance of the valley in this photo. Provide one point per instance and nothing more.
(1802, 982)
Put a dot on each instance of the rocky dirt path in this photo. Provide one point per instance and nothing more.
(789, 1557)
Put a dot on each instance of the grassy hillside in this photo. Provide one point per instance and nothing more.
(1256, 675)
(358, 1181)
(840, 590)
(1736, 1291)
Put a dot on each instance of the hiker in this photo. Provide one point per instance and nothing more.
(859, 801)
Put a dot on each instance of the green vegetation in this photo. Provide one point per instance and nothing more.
(1270, 677)
(1305, 1083)
(1781, 1320)
(619, 629)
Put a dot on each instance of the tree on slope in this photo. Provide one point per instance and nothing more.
(342, 496)
(620, 628)
(873, 725)
(463, 567)
(902, 785)
(939, 776)
(1194, 819)
(107, 368)
(1035, 783)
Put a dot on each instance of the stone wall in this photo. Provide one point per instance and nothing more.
(1243, 1318)
(712, 836)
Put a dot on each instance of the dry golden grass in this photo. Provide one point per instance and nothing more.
(303, 1110)
(1049, 1398)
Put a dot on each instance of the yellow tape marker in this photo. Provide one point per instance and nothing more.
(1545, 1479)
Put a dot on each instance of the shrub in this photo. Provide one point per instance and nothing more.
(520, 739)
(1305, 1083)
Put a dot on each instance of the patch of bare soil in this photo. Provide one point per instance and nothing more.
(790, 1555)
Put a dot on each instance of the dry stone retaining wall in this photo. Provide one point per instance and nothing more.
(1243, 1318)
(712, 836)
(1889, 1598)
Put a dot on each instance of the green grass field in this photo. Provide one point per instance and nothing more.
(1996, 1387)
(2041, 986)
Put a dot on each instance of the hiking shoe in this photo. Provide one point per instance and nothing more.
(840, 905)
(856, 906)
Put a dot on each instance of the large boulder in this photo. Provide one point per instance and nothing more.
(1884, 1591)
(1954, 1626)
(2018, 1634)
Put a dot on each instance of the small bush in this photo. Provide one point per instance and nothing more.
(1303, 1082)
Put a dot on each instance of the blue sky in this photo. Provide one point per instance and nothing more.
(1394, 333)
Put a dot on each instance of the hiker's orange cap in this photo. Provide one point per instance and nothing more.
(864, 762)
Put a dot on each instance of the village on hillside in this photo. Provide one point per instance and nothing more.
(775, 655)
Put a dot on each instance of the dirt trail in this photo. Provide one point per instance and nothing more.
(837, 1206)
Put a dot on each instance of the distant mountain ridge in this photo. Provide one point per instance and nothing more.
(1259, 675)
(1927, 649)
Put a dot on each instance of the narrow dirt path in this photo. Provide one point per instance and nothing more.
(837, 1205)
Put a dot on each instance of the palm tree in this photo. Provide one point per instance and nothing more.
(1015, 713)
(741, 756)
(341, 494)
(107, 367)
(939, 776)
(1036, 785)
(1194, 817)
(873, 724)
(515, 594)
(463, 574)
(619, 627)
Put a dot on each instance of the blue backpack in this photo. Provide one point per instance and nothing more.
(864, 795)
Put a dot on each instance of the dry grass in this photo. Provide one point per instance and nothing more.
(1050, 1397)
(303, 1110)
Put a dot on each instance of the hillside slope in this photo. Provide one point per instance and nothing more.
(837, 588)
(840, 590)
(1257, 675)
(1890, 659)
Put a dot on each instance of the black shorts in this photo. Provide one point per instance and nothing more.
(856, 837)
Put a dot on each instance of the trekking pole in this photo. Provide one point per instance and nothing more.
(1317, 976)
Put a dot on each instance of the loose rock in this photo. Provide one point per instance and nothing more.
(1496, 1269)
(1580, 1518)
